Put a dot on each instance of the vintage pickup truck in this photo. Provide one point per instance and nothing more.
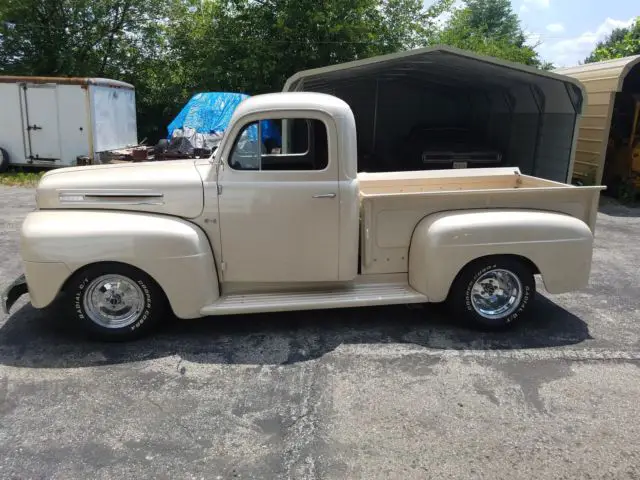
(257, 229)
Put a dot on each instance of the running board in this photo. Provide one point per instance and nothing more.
(359, 295)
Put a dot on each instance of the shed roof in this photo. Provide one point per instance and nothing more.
(448, 67)
(605, 76)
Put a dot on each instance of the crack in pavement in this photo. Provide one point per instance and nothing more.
(300, 434)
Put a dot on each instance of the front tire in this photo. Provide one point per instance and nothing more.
(493, 293)
(114, 302)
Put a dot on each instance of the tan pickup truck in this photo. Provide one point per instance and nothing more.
(263, 229)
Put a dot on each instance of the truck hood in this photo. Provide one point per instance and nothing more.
(170, 188)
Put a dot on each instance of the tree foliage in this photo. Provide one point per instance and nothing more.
(622, 42)
(121, 39)
(490, 27)
(171, 49)
(73, 37)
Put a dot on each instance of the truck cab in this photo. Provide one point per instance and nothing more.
(265, 200)
(269, 228)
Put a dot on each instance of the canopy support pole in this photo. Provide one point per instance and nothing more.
(538, 101)
(375, 118)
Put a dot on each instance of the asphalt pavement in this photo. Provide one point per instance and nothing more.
(372, 393)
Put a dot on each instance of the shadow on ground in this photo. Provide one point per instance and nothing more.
(32, 338)
(612, 207)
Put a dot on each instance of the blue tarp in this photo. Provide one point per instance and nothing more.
(210, 113)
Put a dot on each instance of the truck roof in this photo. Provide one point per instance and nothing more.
(292, 101)
(106, 82)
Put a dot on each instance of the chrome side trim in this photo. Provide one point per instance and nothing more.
(124, 197)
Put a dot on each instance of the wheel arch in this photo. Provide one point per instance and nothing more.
(556, 246)
(175, 253)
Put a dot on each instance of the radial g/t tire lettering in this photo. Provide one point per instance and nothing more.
(114, 302)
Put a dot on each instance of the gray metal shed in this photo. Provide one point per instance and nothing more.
(529, 114)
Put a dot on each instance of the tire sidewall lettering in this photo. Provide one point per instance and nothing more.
(147, 303)
(523, 304)
(467, 296)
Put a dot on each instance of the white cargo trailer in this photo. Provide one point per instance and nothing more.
(59, 122)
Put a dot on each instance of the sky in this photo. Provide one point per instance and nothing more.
(568, 30)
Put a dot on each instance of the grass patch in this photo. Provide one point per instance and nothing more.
(19, 178)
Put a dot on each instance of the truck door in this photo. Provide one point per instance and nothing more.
(41, 122)
(279, 212)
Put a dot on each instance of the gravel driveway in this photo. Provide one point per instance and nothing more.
(392, 392)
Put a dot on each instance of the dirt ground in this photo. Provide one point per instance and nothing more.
(392, 392)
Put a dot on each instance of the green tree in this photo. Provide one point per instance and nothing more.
(254, 45)
(408, 24)
(490, 27)
(171, 49)
(74, 37)
(121, 39)
(622, 42)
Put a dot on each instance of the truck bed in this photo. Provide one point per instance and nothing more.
(393, 203)
(427, 181)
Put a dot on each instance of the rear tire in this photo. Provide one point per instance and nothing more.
(114, 302)
(493, 293)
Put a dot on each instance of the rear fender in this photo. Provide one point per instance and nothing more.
(175, 253)
(560, 247)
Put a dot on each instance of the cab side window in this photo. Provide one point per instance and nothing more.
(259, 146)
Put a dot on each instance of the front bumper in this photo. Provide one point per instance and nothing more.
(13, 292)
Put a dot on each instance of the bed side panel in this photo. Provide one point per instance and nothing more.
(390, 220)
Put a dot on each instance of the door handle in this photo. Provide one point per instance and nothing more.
(325, 195)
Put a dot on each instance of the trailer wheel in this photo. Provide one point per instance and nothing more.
(115, 302)
(4, 160)
(493, 293)
(162, 146)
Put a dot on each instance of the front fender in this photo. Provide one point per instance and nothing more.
(175, 253)
(560, 247)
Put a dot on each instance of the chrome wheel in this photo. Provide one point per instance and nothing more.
(113, 301)
(496, 294)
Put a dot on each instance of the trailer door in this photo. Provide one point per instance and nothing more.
(41, 118)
